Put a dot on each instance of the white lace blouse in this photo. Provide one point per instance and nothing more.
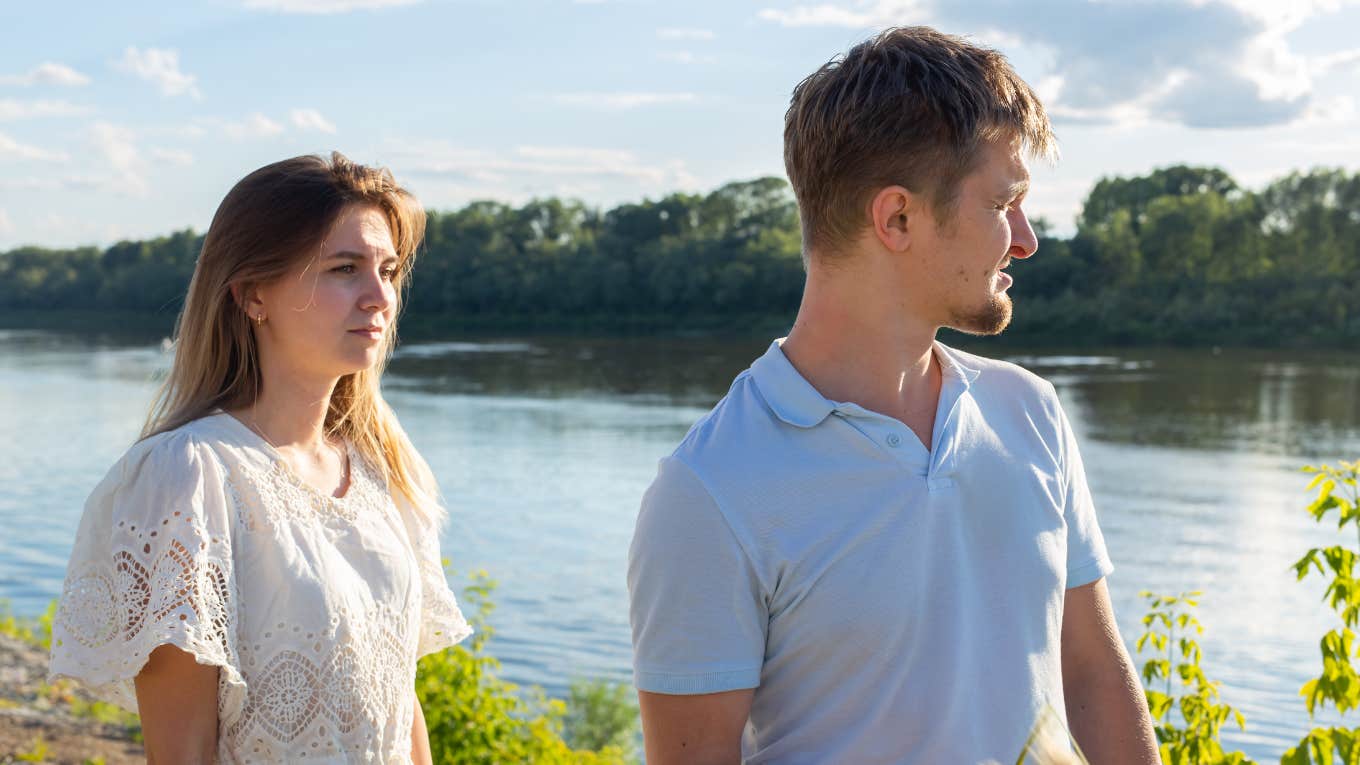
(315, 608)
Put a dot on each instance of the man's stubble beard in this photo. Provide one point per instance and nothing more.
(991, 319)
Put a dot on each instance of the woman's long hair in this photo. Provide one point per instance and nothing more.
(268, 222)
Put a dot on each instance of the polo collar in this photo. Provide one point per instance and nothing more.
(954, 366)
(788, 394)
(793, 399)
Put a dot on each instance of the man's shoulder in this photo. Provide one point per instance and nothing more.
(740, 454)
(995, 376)
(738, 422)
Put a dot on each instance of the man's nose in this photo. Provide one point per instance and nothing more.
(1024, 242)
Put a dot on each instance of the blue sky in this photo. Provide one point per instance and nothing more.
(132, 119)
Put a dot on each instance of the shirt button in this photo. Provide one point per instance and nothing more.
(894, 439)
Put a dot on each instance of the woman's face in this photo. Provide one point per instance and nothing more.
(328, 316)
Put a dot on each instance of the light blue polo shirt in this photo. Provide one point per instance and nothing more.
(889, 604)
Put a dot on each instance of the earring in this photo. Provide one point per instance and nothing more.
(259, 320)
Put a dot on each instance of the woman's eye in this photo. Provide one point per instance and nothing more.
(389, 273)
(348, 268)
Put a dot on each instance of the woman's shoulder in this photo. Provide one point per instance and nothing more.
(202, 444)
(180, 471)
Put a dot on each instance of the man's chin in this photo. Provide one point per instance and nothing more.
(991, 319)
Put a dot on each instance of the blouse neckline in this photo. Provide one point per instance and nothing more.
(282, 465)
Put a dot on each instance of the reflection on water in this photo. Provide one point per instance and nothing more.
(544, 445)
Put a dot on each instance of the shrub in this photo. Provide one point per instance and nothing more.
(600, 715)
(1338, 684)
(475, 718)
(1170, 627)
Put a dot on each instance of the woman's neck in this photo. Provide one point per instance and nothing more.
(290, 411)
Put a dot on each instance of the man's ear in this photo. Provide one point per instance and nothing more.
(892, 211)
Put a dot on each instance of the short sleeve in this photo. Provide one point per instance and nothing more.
(441, 620)
(1087, 559)
(151, 566)
(697, 608)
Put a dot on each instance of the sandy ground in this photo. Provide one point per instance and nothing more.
(35, 718)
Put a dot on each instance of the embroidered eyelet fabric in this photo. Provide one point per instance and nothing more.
(314, 608)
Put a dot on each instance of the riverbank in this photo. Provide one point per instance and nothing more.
(1037, 327)
(53, 724)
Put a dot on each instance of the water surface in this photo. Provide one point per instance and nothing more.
(543, 447)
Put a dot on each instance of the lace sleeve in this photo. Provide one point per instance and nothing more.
(151, 566)
(441, 620)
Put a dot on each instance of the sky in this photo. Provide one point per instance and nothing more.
(133, 119)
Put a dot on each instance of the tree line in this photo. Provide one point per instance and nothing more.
(1182, 255)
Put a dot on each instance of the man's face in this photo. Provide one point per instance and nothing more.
(965, 256)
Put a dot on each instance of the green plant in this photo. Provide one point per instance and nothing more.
(1170, 628)
(15, 627)
(1338, 683)
(37, 754)
(601, 714)
(32, 631)
(108, 714)
(475, 718)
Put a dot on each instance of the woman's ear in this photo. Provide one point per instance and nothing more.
(248, 299)
(890, 212)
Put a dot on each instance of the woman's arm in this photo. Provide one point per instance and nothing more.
(420, 737)
(177, 699)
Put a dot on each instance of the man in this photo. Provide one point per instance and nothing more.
(876, 548)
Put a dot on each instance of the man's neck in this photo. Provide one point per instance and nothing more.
(857, 343)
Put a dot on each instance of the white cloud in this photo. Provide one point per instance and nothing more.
(684, 33)
(29, 183)
(12, 149)
(538, 169)
(1332, 61)
(47, 73)
(193, 130)
(684, 57)
(161, 68)
(881, 13)
(255, 126)
(1340, 110)
(325, 6)
(13, 109)
(621, 101)
(1230, 62)
(178, 157)
(311, 119)
(118, 147)
(1285, 16)
(613, 157)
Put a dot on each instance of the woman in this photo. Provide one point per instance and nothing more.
(259, 573)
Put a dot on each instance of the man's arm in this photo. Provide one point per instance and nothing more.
(702, 729)
(1106, 707)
